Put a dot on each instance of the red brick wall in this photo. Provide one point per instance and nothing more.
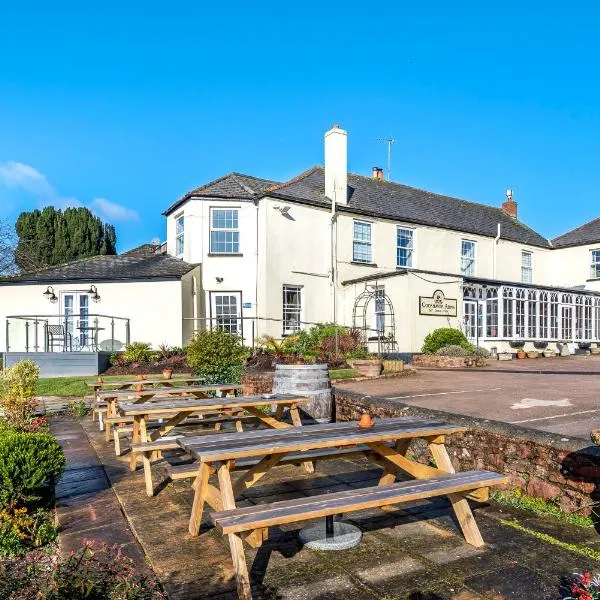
(543, 465)
(256, 384)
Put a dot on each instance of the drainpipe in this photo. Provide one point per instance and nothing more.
(496, 240)
(333, 259)
(255, 328)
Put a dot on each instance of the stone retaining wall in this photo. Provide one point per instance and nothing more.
(447, 362)
(543, 465)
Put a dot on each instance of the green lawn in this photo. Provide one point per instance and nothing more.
(69, 386)
(342, 373)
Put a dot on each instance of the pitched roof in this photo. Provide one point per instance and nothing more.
(588, 233)
(122, 267)
(399, 202)
(143, 250)
(233, 185)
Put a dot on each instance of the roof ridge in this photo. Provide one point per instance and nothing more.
(67, 264)
(299, 177)
(248, 189)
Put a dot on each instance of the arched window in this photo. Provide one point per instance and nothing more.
(579, 317)
(544, 313)
(587, 318)
(520, 314)
(491, 313)
(508, 311)
(554, 316)
(532, 314)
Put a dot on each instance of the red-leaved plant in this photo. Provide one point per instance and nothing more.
(585, 587)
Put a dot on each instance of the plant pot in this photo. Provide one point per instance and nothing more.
(548, 353)
(505, 356)
(521, 354)
(533, 354)
(365, 422)
(167, 373)
(367, 367)
(298, 361)
(100, 379)
(139, 387)
(140, 377)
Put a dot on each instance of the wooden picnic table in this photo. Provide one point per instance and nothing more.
(385, 444)
(175, 411)
(126, 384)
(134, 396)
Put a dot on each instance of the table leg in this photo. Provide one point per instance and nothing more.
(146, 458)
(110, 412)
(460, 504)
(135, 439)
(235, 541)
(200, 487)
(390, 472)
(297, 422)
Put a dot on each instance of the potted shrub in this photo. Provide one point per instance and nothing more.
(521, 353)
(548, 352)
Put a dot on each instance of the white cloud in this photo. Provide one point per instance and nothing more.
(18, 175)
(112, 211)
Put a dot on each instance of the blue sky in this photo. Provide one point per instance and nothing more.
(125, 106)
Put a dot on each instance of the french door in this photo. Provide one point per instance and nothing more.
(226, 311)
(473, 320)
(75, 311)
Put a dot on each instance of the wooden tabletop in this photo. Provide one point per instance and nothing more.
(169, 391)
(297, 439)
(102, 384)
(171, 405)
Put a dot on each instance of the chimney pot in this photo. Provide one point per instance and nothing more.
(378, 173)
(510, 206)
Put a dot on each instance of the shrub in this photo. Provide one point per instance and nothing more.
(453, 350)
(445, 336)
(21, 531)
(481, 351)
(17, 391)
(217, 356)
(94, 572)
(27, 462)
(78, 408)
(137, 352)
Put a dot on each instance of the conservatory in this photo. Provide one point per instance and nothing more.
(493, 312)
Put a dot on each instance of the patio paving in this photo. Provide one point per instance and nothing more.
(412, 553)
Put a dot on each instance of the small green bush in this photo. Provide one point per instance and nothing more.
(452, 350)
(17, 391)
(27, 462)
(217, 356)
(78, 408)
(138, 352)
(481, 351)
(445, 336)
(21, 531)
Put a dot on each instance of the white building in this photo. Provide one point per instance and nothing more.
(261, 257)
(329, 245)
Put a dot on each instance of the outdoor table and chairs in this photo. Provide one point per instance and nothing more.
(89, 341)
(175, 411)
(385, 444)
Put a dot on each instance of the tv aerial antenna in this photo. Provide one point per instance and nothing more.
(389, 141)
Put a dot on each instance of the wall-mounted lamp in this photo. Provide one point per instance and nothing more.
(50, 295)
(93, 292)
(219, 279)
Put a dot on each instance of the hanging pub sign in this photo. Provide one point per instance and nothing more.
(437, 305)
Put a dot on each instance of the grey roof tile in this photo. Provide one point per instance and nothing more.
(588, 233)
(411, 205)
(108, 268)
(233, 185)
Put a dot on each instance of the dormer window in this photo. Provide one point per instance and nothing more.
(224, 231)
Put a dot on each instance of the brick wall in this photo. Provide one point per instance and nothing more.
(256, 384)
(448, 362)
(544, 465)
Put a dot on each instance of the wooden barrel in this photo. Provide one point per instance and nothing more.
(306, 380)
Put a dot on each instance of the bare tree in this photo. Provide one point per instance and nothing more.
(8, 245)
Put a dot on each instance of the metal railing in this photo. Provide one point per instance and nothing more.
(72, 332)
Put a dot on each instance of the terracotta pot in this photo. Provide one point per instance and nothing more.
(140, 377)
(365, 422)
(100, 379)
(367, 367)
(521, 354)
(139, 387)
(167, 373)
(299, 361)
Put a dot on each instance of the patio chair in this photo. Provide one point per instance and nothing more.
(59, 338)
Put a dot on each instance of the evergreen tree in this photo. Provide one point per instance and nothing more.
(51, 237)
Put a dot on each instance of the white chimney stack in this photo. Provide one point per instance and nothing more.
(336, 165)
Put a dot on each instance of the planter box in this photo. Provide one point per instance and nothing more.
(392, 366)
(505, 356)
(366, 367)
(595, 350)
(448, 362)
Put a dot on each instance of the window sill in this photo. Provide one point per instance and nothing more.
(593, 279)
(363, 264)
(215, 254)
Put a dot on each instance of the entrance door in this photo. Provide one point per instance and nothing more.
(76, 310)
(472, 320)
(226, 311)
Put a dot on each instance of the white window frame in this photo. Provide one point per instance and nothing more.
(230, 322)
(469, 270)
(595, 263)
(526, 269)
(289, 309)
(411, 248)
(362, 242)
(179, 235)
(233, 230)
